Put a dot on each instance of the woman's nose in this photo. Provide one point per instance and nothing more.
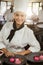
(19, 17)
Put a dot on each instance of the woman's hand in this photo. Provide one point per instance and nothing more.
(9, 54)
(19, 53)
(23, 52)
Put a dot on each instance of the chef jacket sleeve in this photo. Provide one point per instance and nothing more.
(34, 44)
(1, 38)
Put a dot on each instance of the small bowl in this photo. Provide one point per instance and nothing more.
(12, 60)
(36, 58)
(41, 57)
(17, 61)
(1, 53)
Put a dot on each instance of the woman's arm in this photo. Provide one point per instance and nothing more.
(25, 52)
(34, 44)
(2, 45)
(6, 52)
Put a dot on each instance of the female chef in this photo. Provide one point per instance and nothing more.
(17, 38)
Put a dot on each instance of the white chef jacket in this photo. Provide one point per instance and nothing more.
(40, 16)
(21, 38)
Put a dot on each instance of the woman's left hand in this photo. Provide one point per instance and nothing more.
(25, 52)
(19, 53)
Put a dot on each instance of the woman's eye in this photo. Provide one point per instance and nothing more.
(22, 15)
(17, 15)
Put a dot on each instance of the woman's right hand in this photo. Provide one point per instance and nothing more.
(9, 54)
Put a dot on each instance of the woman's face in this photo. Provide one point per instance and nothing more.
(19, 17)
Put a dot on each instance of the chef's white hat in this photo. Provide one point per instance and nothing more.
(20, 5)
